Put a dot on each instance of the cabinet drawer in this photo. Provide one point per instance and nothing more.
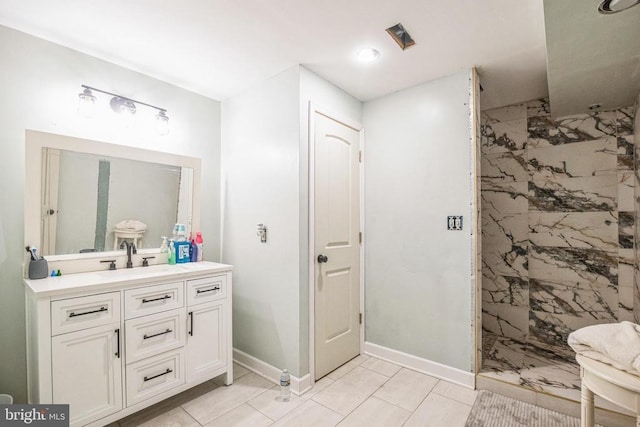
(153, 299)
(150, 335)
(207, 289)
(154, 375)
(74, 314)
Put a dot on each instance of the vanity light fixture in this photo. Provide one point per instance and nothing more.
(608, 7)
(121, 105)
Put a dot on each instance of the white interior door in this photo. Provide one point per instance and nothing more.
(337, 247)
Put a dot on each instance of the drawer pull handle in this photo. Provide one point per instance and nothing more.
(168, 371)
(117, 331)
(191, 323)
(146, 337)
(202, 291)
(101, 309)
(144, 300)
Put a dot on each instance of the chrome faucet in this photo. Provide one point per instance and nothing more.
(131, 248)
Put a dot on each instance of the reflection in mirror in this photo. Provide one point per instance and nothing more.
(91, 203)
(79, 191)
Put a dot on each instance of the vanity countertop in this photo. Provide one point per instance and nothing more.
(106, 279)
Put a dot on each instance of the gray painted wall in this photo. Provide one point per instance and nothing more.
(418, 169)
(39, 82)
(265, 167)
(260, 139)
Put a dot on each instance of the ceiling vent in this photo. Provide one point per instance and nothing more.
(400, 36)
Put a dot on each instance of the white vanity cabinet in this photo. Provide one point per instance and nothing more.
(111, 343)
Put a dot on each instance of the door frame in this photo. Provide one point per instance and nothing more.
(315, 108)
(49, 201)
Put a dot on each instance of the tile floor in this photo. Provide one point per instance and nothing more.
(364, 392)
(538, 367)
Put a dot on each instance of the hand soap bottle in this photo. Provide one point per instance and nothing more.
(172, 252)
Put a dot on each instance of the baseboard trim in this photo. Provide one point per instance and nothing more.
(435, 369)
(265, 370)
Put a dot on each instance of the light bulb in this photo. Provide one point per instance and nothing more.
(163, 123)
(86, 103)
(368, 55)
(615, 6)
(125, 108)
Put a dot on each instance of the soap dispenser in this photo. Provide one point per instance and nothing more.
(172, 252)
(164, 247)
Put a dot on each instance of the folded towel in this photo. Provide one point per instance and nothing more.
(616, 344)
(131, 225)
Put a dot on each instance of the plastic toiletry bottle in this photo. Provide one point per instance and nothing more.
(193, 251)
(164, 247)
(172, 252)
(179, 232)
(285, 382)
(176, 232)
(200, 244)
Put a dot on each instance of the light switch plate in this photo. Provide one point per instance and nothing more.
(454, 222)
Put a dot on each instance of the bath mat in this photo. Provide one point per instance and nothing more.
(494, 410)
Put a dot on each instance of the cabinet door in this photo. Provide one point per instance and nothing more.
(87, 372)
(206, 340)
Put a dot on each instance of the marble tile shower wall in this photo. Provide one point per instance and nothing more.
(558, 221)
(636, 133)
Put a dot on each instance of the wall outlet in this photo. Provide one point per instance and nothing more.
(454, 222)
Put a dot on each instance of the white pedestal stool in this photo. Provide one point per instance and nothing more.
(119, 235)
(616, 386)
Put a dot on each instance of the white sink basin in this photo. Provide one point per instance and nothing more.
(137, 272)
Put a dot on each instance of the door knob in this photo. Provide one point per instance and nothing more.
(322, 258)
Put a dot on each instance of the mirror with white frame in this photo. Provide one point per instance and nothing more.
(83, 197)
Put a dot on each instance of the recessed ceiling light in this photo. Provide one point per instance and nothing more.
(369, 54)
(615, 6)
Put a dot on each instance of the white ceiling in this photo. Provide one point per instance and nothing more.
(221, 47)
(592, 58)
